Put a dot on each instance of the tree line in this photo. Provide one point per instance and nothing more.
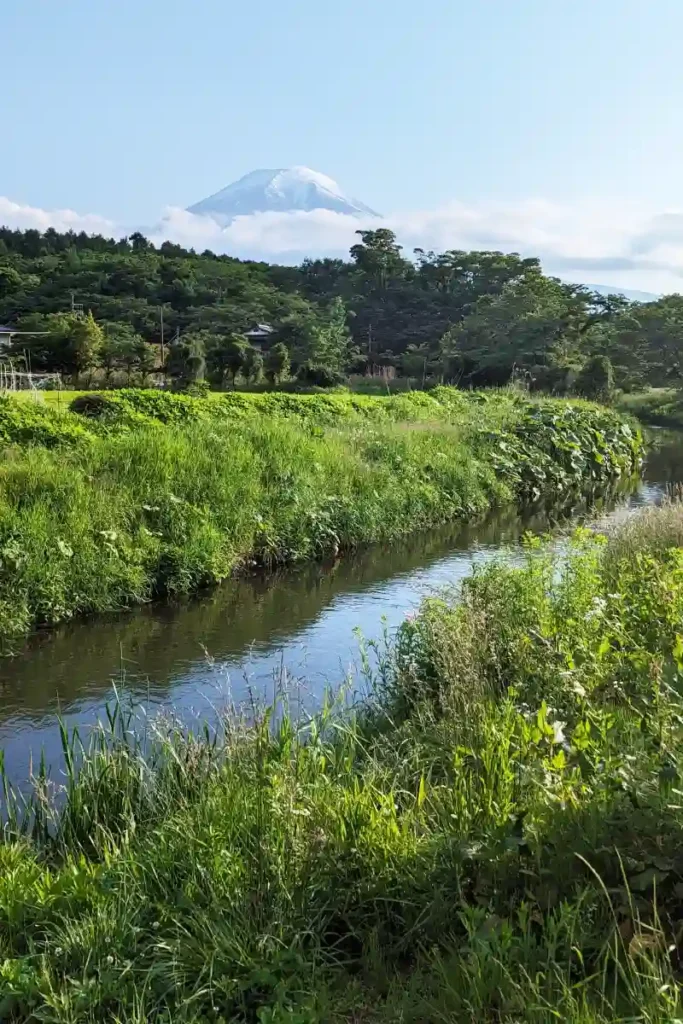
(475, 318)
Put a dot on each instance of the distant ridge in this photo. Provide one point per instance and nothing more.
(629, 293)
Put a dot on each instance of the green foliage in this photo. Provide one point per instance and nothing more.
(330, 344)
(10, 280)
(659, 406)
(252, 365)
(415, 361)
(154, 493)
(645, 343)
(494, 836)
(27, 422)
(596, 379)
(277, 363)
(124, 349)
(195, 358)
(474, 317)
(378, 257)
(556, 441)
(140, 406)
(533, 323)
(228, 356)
(87, 339)
(68, 342)
(318, 375)
(187, 359)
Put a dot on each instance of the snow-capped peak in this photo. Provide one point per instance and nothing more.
(282, 189)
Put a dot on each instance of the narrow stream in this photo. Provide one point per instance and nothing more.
(195, 655)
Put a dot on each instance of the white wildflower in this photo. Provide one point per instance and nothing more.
(598, 609)
(558, 731)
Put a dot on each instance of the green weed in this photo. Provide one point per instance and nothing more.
(658, 406)
(143, 493)
(494, 836)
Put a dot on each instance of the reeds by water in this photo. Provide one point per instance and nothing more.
(494, 836)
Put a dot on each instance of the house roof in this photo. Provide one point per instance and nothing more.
(260, 329)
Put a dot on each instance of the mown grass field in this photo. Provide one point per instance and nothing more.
(141, 494)
(495, 836)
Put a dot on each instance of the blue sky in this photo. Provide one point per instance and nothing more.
(123, 108)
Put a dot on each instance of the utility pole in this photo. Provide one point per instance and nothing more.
(163, 350)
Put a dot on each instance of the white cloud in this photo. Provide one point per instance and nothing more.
(599, 242)
(265, 235)
(14, 215)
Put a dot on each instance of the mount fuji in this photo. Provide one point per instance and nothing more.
(281, 190)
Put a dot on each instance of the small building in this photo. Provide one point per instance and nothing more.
(260, 336)
(7, 335)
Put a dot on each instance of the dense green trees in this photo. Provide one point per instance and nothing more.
(186, 362)
(125, 350)
(62, 341)
(474, 317)
(596, 379)
(331, 344)
(645, 343)
(228, 356)
(252, 366)
(277, 363)
(534, 323)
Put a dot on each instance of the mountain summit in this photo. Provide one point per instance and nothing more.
(281, 190)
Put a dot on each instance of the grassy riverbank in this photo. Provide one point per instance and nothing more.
(661, 407)
(495, 837)
(142, 494)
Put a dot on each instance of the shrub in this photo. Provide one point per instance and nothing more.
(32, 423)
(596, 379)
(311, 375)
(94, 405)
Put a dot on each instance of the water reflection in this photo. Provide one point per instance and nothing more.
(191, 654)
(665, 462)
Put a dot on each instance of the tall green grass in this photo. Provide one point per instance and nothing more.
(144, 494)
(657, 406)
(494, 836)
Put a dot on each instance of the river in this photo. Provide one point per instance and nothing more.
(249, 634)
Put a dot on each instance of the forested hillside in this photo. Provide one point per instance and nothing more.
(472, 317)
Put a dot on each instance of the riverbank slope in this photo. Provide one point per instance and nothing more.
(659, 407)
(140, 494)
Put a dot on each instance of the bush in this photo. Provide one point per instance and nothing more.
(164, 406)
(596, 379)
(24, 422)
(311, 375)
(95, 406)
(198, 389)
